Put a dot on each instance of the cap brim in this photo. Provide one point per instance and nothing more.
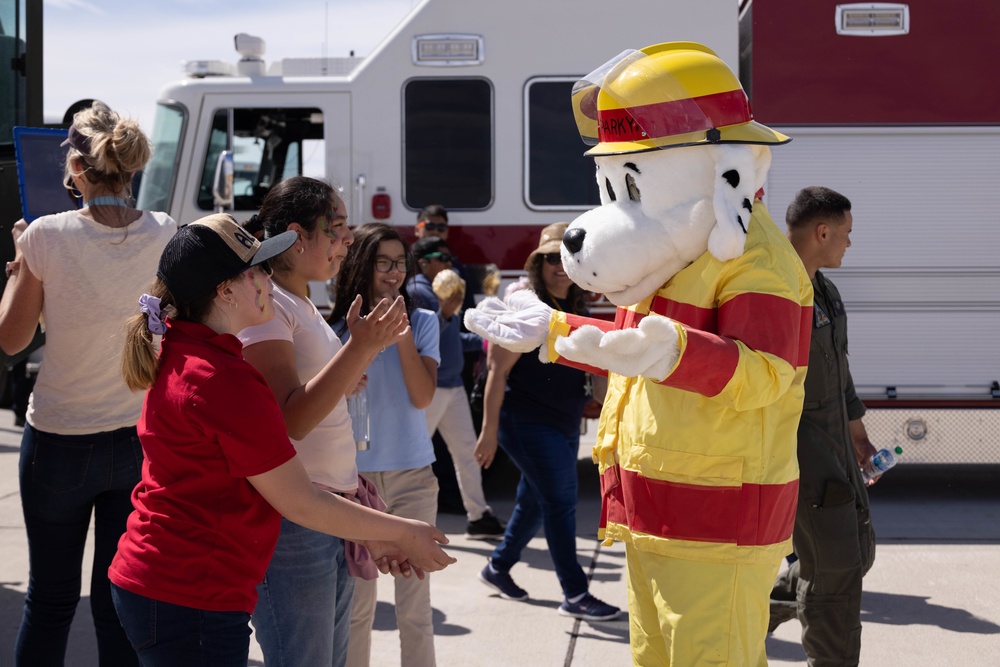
(744, 133)
(274, 246)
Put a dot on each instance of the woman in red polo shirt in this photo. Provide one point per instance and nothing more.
(219, 469)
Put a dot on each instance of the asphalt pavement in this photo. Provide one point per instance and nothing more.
(932, 597)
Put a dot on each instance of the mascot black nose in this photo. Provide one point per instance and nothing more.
(573, 239)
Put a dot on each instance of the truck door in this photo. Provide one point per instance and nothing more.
(274, 136)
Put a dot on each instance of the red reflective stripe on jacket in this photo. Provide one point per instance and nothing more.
(691, 374)
(695, 317)
(761, 321)
(576, 321)
(746, 515)
(805, 335)
(627, 319)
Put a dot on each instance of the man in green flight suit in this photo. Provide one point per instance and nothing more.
(833, 536)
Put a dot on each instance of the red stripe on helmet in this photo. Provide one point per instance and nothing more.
(665, 119)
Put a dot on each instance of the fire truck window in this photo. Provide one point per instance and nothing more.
(161, 172)
(268, 145)
(558, 174)
(448, 143)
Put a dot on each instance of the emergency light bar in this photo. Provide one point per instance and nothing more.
(873, 19)
(199, 69)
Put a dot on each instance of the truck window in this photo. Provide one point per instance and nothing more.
(267, 145)
(557, 175)
(161, 171)
(448, 143)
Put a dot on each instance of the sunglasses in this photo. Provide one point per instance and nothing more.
(435, 226)
(265, 266)
(385, 265)
(553, 259)
(440, 256)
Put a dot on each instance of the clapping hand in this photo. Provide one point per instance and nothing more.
(382, 327)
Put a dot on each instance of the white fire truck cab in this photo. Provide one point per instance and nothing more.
(464, 104)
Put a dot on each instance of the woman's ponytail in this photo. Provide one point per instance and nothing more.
(139, 358)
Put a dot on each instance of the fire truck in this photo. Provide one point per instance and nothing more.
(889, 104)
(466, 104)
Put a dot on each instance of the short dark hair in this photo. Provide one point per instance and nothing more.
(427, 245)
(815, 202)
(432, 210)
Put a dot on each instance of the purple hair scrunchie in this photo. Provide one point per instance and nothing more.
(151, 308)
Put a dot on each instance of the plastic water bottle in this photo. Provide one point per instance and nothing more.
(880, 462)
(357, 406)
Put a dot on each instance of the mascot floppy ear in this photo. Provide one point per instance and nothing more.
(739, 172)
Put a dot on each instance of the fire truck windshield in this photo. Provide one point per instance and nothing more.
(161, 171)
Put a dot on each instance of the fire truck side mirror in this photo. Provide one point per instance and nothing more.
(222, 183)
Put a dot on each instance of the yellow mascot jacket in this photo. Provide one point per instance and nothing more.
(702, 465)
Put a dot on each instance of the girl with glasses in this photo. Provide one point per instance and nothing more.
(401, 383)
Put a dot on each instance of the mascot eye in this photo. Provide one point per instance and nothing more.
(633, 190)
(611, 190)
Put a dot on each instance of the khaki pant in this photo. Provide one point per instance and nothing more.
(449, 414)
(411, 494)
(684, 612)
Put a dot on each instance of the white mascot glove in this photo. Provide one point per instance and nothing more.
(650, 350)
(519, 325)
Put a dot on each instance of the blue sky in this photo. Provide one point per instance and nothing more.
(123, 51)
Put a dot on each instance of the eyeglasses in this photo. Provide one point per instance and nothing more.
(434, 226)
(385, 265)
(553, 259)
(440, 256)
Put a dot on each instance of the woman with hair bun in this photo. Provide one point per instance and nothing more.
(81, 271)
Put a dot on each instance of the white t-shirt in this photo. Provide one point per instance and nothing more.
(328, 451)
(93, 277)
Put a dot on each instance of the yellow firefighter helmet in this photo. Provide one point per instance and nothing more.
(663, 96)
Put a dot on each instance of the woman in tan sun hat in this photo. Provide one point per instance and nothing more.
(533, 411)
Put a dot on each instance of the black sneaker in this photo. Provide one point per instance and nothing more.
(486, 527)
(589, 608)
(501, 582)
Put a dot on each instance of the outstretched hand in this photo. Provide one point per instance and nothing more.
(382, 327)
(519, 325)
(649, 350)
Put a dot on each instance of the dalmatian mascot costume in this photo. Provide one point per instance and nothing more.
(706, 358)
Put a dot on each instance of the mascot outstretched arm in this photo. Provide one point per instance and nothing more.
(706, 357)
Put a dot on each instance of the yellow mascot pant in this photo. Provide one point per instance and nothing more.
(685, 613)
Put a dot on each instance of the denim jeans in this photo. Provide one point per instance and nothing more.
(546, 495)
(169, 635)
(303, 613)
(64, 479)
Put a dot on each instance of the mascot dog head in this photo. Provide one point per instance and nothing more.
(661, 209)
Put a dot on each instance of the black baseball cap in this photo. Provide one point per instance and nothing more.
(210, 251)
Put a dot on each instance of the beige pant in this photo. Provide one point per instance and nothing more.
(449, 414)
(411, 494)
